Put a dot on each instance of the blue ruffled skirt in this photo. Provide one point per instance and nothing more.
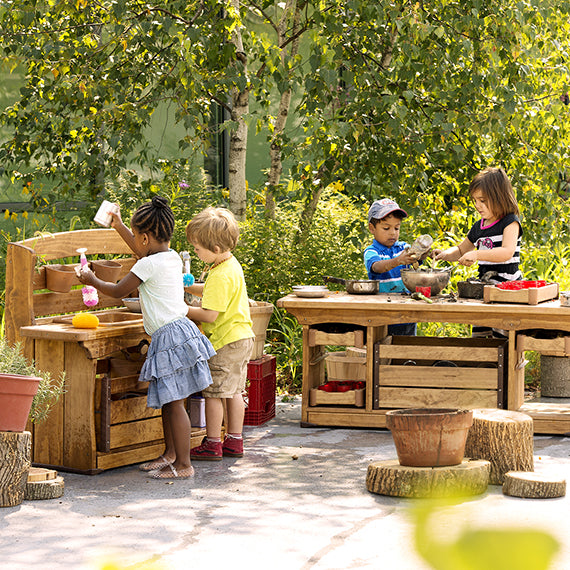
(176, 364)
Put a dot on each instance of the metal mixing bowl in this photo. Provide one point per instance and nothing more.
(437, 279)
(133, 304)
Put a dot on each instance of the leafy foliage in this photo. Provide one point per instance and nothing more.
(481, 549)
(96, 73)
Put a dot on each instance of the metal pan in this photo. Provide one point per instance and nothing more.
(356, 286)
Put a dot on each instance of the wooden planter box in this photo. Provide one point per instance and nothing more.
(433, 372)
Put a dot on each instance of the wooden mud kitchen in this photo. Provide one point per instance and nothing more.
(426, 372)
(102, 421)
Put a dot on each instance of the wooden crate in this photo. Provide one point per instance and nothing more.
(531, 296)
(434, 372)
(337, 336)
(342, 366)
(125, 419)
(557, 346)
(351, 398)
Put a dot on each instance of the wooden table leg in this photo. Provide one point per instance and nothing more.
(313, 371)
(515, 376)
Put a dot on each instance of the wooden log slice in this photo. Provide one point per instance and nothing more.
(533, 485)
(48, 489)
(503, 437)
(40, 474)
(15, 461)
(388, 477)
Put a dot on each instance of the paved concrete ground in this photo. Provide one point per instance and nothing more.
(297, 500)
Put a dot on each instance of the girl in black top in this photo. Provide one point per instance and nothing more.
(494, 241)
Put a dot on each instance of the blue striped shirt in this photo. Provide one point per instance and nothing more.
(390, 281)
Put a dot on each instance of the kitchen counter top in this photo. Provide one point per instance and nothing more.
(382, 309)
(68, 333)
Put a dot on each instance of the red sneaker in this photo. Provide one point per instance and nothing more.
(208, 450)
(232, 447)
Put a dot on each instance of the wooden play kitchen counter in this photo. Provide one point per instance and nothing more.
(406, 372)
(101, 421)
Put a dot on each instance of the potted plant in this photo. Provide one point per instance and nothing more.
(26, 393)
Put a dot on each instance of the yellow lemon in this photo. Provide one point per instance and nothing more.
(85, 321)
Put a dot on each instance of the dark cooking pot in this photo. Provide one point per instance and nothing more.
(474, 288)
(356, 286)
(471, 289)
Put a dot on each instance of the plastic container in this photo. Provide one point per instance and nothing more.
(90, 295)
(425, 291)
(197, 412)
(103, 216)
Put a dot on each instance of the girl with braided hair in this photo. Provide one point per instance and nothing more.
(176, 365)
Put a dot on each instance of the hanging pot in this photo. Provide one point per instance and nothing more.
(60, 278)
(106, 269)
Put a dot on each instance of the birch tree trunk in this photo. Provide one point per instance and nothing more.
(238, 137)
(275, 155)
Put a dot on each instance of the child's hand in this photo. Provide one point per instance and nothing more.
(440, 254)
(115, 216)
(468, 259)
(406, 258)
(433, 253)
(85, 275)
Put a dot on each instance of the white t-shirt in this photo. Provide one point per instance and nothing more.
(162, 289)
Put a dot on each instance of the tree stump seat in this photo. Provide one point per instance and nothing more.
(15, 460)
(502, 437)
(533, 485)
(388, 477)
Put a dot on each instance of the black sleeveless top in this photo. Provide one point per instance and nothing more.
(489, 237)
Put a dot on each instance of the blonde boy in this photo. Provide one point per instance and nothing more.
(225, 319)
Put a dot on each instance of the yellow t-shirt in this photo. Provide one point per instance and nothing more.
(225, 292)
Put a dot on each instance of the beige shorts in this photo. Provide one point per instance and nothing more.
(229, 369)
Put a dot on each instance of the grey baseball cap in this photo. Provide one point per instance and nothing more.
(381, 208)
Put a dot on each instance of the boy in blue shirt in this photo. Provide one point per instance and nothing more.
(387, 255)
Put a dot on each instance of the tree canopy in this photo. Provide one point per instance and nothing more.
(406, 99)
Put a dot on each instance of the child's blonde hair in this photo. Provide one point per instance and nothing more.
(496, 187)
(213, 227)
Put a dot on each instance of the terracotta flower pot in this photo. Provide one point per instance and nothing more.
(16, 395)
(427, 437)
(60, 278)
(106, 269)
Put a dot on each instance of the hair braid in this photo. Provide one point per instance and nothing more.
(155, 217)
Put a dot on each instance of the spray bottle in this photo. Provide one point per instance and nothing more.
(187, 277)
(90, 295)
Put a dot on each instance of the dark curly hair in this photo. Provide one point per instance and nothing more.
(156, 218)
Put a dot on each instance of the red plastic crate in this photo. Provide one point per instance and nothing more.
(260, 391)
(262, 367)
(258, 418)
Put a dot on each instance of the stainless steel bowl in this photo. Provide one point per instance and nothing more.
(311, 291)
(133, 304)
(437, 279)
